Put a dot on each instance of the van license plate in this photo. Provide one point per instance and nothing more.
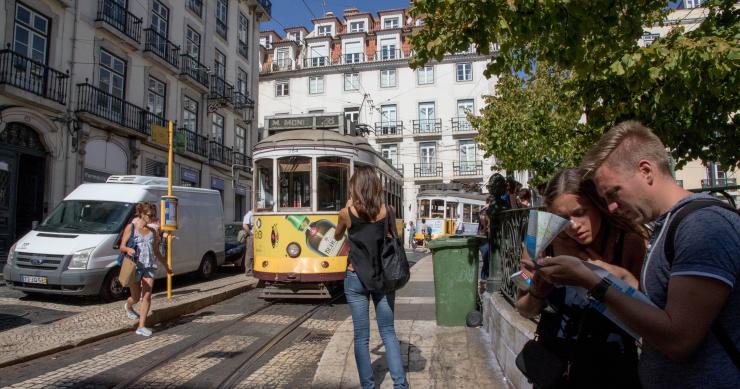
(34, 280)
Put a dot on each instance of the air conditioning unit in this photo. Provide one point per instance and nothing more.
(141, 180)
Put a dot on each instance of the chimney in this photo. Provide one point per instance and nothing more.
(350, 11)
(329, 14)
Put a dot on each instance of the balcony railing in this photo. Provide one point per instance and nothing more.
(221, 28)
(196, 6)
(282, 65)
(353, 58)
(221, 90)
(106, 106)
(428, 170)
(220, 153)
(315, 62)
(242, 101)
(461, 124)
(427, 126)
(32, 76)
(388, 55)
(162, 47)
(718, 182)
(467, 168)
(112, 13)
(194, 69)
(389, 128)
(241, 159)
(194, 143)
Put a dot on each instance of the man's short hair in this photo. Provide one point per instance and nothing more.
(623, 146)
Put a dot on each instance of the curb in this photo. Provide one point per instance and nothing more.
(156, 316)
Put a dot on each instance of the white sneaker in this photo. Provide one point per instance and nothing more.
(143, 331)
(130, 313)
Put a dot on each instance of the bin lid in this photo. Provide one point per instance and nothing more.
(456, 241)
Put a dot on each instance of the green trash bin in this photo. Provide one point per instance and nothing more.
(455, 263)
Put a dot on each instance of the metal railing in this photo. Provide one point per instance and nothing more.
(282, 65)
(388, 55)
(221, 90)
(196, 6)
(427, 126)
(241, 159)
(507, 230)
(195, 143)
(315, 62)
(242, 101)
(217, 152)
(467, 168)
(428, 169)
(194, 69)
(461, 124)
(161, 46)
(104, 105)
(110, 12)
(718, 182)
(353, 58)
(389, 128)
(32, 76)
(221, 28)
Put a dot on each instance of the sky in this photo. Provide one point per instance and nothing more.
(289, 13)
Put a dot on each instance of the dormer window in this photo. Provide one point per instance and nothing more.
(389, 23)
(324, 30)
(357, 26)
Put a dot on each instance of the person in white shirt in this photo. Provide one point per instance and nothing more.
(247, 225)
(459, 227)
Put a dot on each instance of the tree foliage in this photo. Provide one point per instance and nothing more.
(685, 85)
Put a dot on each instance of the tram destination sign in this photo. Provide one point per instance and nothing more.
(304, 122)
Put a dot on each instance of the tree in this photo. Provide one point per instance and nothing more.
(685, 86)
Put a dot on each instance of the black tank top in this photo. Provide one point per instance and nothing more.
(365, 244)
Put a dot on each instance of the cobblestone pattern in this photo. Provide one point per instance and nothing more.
(281, 370)
(178, 372)
(310, 324)
(70, 376)
(216, 318)
(43, 304)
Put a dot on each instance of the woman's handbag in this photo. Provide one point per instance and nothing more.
(393, 259)
(541, 366)
(128, 270)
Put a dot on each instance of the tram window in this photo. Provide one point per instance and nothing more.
(438, 208)
(263, 191)
(423, 209)
(466, 213)
(451, 210)
(332, 183)
(476, 213)
(295, 182)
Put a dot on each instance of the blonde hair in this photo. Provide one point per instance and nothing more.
(622, 148)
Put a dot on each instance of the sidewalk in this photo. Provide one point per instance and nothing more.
(32, 341)
(434, 357)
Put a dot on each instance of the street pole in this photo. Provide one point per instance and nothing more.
(170, 158)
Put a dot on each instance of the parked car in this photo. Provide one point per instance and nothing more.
(235, 245)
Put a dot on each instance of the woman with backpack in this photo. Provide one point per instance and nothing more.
(364, 218)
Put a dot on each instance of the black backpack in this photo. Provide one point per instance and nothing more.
(719, 331)
(395, 265)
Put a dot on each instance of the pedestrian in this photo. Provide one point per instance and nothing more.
(145, 255)
(426, 230)
(459, 226)
(525, 197)
(690, 337)
(249, 250)
(412, 232)
(599, 353)
(483, 227)
(364, 219)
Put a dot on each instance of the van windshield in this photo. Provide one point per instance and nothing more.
(88, 216)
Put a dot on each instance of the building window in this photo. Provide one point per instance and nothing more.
(351, 81)
(222, 14)
(192, 44)
(243, 36)
(390, 154)
(428, 158)
(389, 23)
(388, 49)
(353, 52)
(324, 30)
(356, 26)
(190, 114)
(427, 120)
(156, 97)
(241, 81)
(425, 75)
(281, 88)
(388, 78)
(388, 119)
(468, 156)
(316, 85)
(196, 6)
(112, 79)
(693, 3)
(31, 34)
(160, 22)
(351, 116)
(465, 72)
(219, 64)
(649, 38)
(217, 128)
(240, 140)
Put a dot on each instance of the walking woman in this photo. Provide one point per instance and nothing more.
(364, 218)
(596, 352)
(145, 254)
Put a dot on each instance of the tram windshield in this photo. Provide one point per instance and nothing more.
(295, 183)
(424, 208)
(438, 209)
(263, 194)
(333, 173)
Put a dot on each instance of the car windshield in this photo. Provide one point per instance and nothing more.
(84, 216)
(231, 231)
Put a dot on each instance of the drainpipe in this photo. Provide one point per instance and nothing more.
(71, 93)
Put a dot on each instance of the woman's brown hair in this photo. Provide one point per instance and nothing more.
(366, 190)
(144, 208)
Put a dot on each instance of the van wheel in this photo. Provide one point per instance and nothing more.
(112, 290)
(207, 267)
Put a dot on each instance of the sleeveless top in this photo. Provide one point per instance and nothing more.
(144, 252)
(365, 245)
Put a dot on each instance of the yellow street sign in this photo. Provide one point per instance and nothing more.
(160, 135)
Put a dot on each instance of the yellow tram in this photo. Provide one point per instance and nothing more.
(300, 183)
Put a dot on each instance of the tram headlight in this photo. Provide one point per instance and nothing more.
(293, 249)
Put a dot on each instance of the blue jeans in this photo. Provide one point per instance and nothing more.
(359, 305)
(485, 255)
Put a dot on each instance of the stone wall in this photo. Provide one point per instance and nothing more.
(508, 332)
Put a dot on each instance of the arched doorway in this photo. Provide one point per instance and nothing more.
(22, 178)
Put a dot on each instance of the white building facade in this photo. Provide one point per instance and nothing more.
(87, 86)
(358, 66)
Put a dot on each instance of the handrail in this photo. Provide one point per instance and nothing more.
(388, 128)
(428, 169)
(161, 46)
(192, 68)
(427, 126)
(120, 18)
(100, 103)
(467, 168)
(195, 143)
(33, 76)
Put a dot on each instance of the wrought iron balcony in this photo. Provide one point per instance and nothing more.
(389, 129)
(242, 101)
(194, 69)
(102, 104)
(219, 153)
(282, 65)
(461, 124)
(197, 144)
(388, 55)
(428, 170)
(113, 14)
(32, 76)
(162, 47)
(196, 6)
(427, 127)
(353, 58)
(241, 159)
(467, 168)
(316, 62)
(221, 90)
(718, 182)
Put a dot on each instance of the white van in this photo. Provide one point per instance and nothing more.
(74, 250)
